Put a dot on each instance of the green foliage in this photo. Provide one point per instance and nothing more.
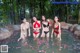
(36, 8)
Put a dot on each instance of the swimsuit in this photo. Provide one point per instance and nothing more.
(45, 26)
(56, 30)
(35, 32)
(46, 32)
(36, 25)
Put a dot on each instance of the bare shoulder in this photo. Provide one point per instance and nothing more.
(39, 21)
(59, 23)
(27, 22)
(22, 24)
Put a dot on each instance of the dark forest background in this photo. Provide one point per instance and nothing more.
(12, 11)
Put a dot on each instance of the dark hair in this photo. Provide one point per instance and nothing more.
(45, 18)
(22, 18)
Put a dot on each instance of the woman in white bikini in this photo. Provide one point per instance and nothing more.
(24, 28)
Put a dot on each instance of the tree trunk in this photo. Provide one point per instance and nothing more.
(79, 15)
(67, 13)
(31, 9)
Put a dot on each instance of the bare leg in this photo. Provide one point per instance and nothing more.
(43, 35)
(56, 39)
(47, 36)
(51, 37)
(35, 36)
(36, 40)
(19, 39)
(59, 41)
(23, 37)
(47, 39)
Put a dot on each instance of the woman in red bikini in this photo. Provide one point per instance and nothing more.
(36, 28)
(57, 31)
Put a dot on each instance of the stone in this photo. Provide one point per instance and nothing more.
(73, 27)
(69, 25)
(10, 28)
(78, 27)
(77, 33)
(4, 33)
(65, 25)
(16, 27)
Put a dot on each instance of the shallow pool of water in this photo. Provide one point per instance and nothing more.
(31, 46)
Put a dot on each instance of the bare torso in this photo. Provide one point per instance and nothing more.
(46, 27)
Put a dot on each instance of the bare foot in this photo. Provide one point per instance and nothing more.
(40, 51)
(53, 52)
(19, 39)
(60, 48)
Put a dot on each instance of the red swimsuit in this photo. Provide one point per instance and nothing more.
(36, 25)
(56, 30)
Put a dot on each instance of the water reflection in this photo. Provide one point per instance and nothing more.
(42, 46)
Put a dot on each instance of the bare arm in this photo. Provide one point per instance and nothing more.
(40, 24)
(52, 31)
(21, 30)
(33, 26)
(29, 30)
(59, 28)
(52, 28)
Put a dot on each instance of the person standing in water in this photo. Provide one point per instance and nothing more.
(25, 27)
(36, 28)
(57, 31)
(45, 28)
(50, 21)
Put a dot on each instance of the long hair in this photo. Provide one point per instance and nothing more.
(54, 22)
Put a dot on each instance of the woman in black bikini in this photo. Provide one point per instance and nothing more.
(45, 28)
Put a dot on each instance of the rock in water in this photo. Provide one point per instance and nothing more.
(64, 25)
(77, 30)
(78, 27)
(4, 33)
(16, 27)
(77, 34)
(72, 28)
(69, 25)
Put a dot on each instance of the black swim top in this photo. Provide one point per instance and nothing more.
(44, 25)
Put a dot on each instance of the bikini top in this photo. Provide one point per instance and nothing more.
(36, 24)
(56, 28)
(44, 25)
